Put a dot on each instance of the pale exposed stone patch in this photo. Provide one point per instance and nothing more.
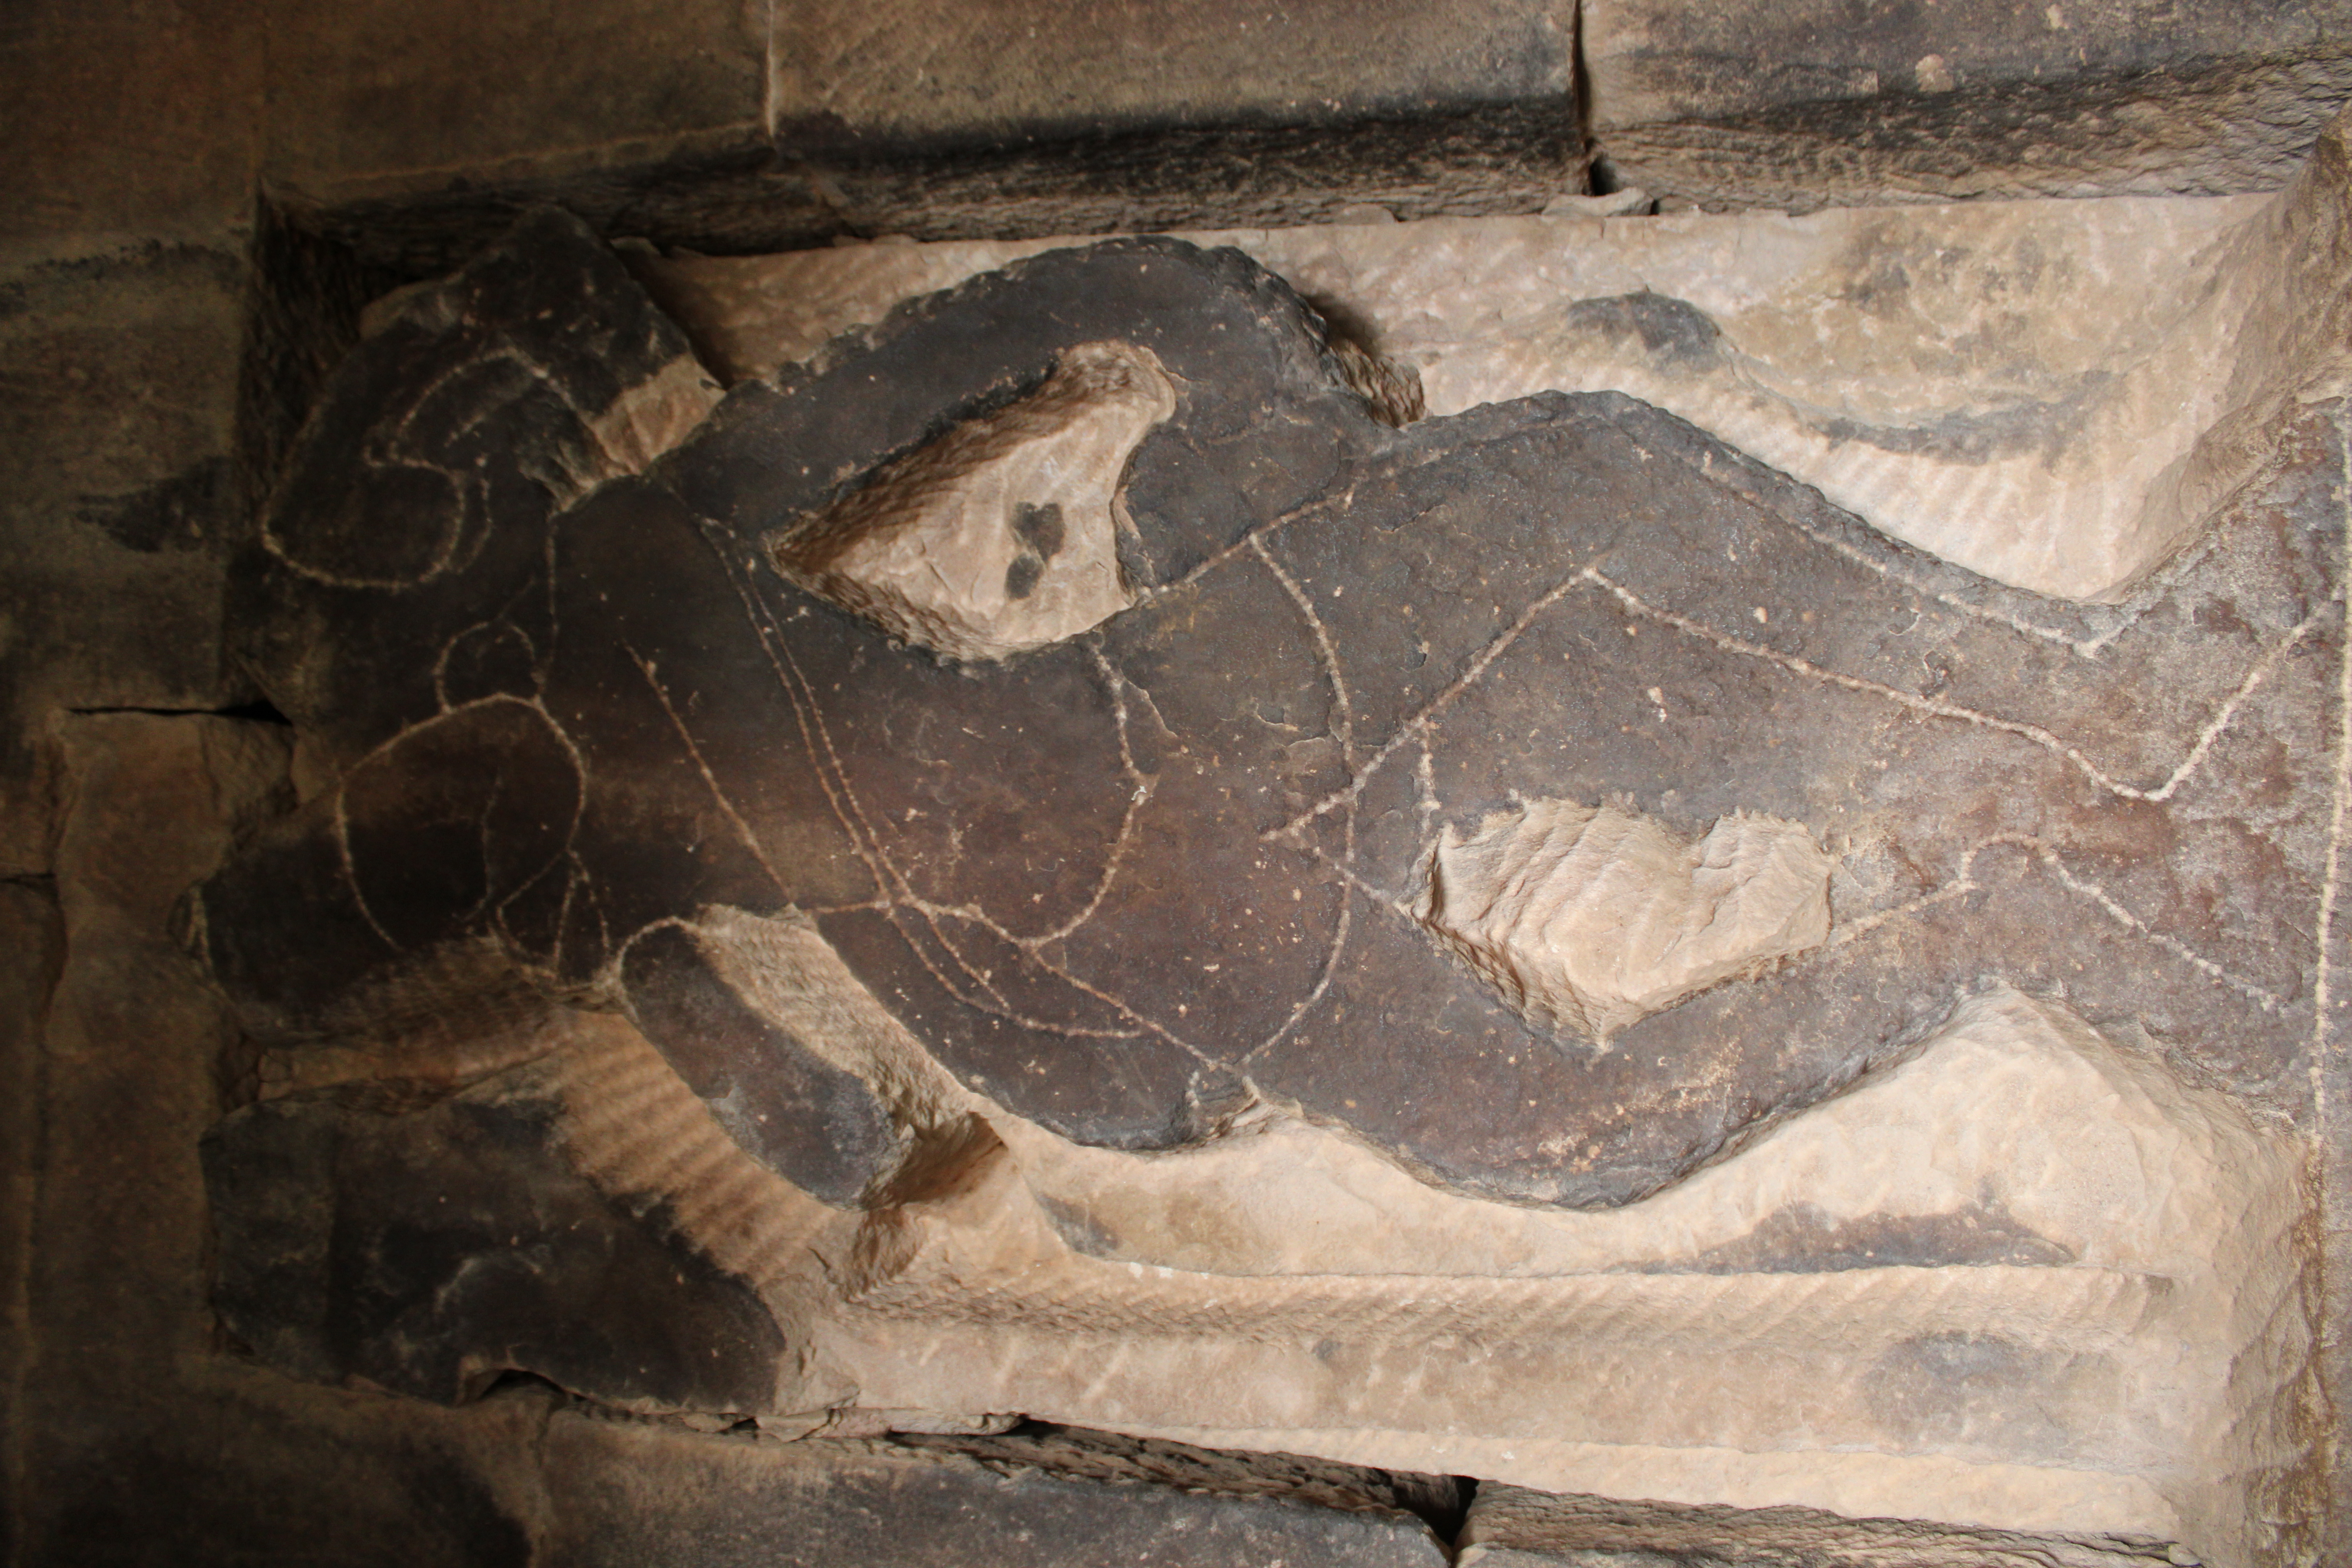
(1283, 1287)
(1000, 535)
(1587, 918)
(654, 415)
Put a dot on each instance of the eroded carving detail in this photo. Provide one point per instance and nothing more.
(1002, 534)
(1589, 917)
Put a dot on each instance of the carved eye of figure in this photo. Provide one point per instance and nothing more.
(1000, 535)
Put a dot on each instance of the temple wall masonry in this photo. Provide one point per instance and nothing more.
(1555, 785)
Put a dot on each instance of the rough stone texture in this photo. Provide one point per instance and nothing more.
(759, 128)
(384, 1247)
(1441, 1501)
(1511, 1527)
(1587, 918)
(1163, 881)
(515, 414)
(145, 123)
(154, 802)
(138, 1433)
(116, 485)
(1041, 838)
(614, 1503)
(31, 944)
(135, 1439)
(127, 126)
(1020, 119)
(375, 101)
(1936, 1327)
(922, 550)
(123, 290)
(1010, 68)
(1822, 104)
(2056, 394)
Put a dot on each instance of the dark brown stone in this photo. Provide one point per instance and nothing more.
(482, 397)
(430, 1252)
(818, 1127)
(1511, 1527)
(116, 508)
(1565, 598)
(395, 100)
(32, 947)
(1824, 103)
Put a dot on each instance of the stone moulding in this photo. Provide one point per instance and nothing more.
(1053, 859)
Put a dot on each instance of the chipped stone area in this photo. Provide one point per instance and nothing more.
(1589, 917)
(1005, 533)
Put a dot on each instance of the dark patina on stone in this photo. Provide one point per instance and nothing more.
(431, 1251)
(1129, 881)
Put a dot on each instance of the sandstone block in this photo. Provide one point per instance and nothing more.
(1809, 105)
(1059, 1030)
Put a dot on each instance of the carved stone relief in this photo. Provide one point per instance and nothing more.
(1065, 855)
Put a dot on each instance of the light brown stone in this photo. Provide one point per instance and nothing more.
(1590, 918)
(1002, 534)
(2056, 395)
(2022, 1279)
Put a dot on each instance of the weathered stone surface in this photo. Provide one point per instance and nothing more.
(131, 128)
(495, 400)
(1073, 1452)
(944, 921)
(140, 123)
(201, 1475)
(379, 1248)
(737, 131)
(379, 101)
(117, 504)
(31, 947)
(1511, 1527)
(1587, 919)
(156, 803)
(739, 128)
(130, 1451)
(1815, 104)
(1936, 1329)
(1021, 69)
(2056, 394)
(616, 1503)
(1058, 837)
(922, 550)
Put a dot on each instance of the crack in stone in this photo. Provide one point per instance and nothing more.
(1965, 883)
(1936, 708)
(677, 722)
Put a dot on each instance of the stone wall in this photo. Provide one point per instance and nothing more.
(199, 202)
